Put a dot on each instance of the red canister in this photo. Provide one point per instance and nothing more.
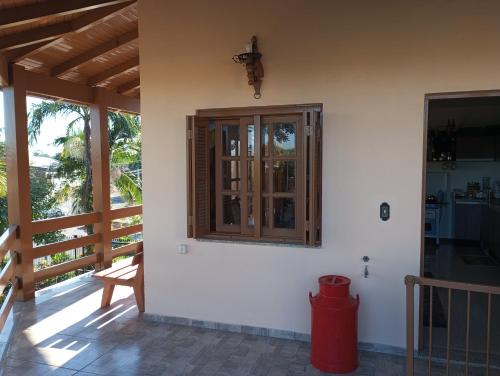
(334, 326)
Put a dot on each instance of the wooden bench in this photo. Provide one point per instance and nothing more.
(126, 274)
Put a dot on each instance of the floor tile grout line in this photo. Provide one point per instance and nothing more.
(38, 362)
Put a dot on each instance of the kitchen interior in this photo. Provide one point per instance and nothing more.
(462, 211)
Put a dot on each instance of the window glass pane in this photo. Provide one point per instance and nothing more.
(265, 140)
(231, 212)
(250, 176)
(265, 176)
(250, 217)
(284, 139)
(231, 140)
(231, 175)
(265, 212)
(284, 212)
(284, 176)
(251, 140)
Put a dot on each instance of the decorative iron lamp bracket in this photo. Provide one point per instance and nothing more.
(253, 65)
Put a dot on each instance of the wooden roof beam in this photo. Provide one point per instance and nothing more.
(51, 87)
(41, 34)
(33, 12)
(51, 32)
(94, 52)
(4, 71)
(127, 87)
(18, 54)
(113, 71)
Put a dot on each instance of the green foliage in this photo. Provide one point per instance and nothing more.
(59, 258)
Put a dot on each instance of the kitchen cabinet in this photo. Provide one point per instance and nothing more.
(475, 147)
(468, 221)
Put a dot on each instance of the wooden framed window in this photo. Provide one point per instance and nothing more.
(254, 173)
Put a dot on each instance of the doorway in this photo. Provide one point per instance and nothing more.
(461, 203)
(460, 212)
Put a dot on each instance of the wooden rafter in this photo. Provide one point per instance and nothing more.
(13, 56)
(94, 52)
(34, 12)
(129, 86)
(113, 71)
(41, 34)
(51, 32)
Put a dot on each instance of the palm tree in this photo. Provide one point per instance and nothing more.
(75, 166)
(125, 155)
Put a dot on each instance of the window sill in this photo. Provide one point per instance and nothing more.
(266, 242)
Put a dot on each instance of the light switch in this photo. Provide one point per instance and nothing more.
(385, 211)
(182, 249)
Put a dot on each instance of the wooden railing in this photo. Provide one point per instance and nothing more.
(8, 272)
(55, 224)
(99, 102)
(449, 288)
(130, 230)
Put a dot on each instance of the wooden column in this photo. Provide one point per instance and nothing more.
(4, 71)
(18, 179)
(100, 175)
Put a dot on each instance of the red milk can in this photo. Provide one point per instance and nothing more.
(334, 326)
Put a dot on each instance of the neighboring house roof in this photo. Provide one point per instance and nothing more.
(42, 162)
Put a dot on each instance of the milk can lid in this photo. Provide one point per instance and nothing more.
(334, 280)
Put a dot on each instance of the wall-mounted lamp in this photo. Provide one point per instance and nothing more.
(253, 65)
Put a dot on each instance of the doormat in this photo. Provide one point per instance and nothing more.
(438, 316)
(477, 260)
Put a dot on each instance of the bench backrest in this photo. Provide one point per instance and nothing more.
(138, 257)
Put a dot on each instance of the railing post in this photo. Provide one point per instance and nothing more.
(410, 323)
(100, 176)
(18, 178)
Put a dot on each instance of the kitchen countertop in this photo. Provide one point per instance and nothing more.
(477, 201)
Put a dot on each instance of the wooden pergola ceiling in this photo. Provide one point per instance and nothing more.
(91, 42)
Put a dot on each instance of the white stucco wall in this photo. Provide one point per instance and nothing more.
(370, 63)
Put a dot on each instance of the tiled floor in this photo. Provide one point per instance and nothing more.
(64, 332)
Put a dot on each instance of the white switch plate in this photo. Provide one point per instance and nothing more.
(182, 249)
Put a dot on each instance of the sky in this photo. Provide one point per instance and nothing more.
(51, 129)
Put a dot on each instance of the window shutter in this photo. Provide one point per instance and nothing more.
(313, 161)
(317, 182)
(198, 173)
